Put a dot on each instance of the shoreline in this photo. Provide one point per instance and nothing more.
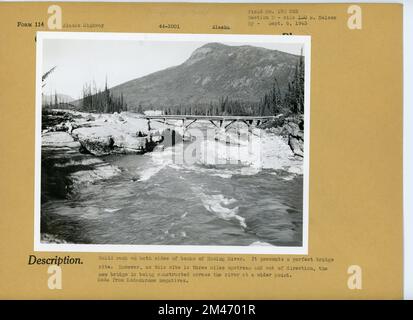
(74, 145)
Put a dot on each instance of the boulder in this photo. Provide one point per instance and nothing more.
(291, 128)
(103, 134)
(89, 117)
(98, 146)
(101, 141)
(296, 146)
(58, 139)
(129, 144)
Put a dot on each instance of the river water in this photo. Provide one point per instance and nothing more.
(179, 196)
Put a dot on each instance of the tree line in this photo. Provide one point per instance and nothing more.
(102, 101)
(273, 102)
(225, 106)
(56, 102)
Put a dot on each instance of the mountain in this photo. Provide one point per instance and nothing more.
(213, 71)
(61, 98)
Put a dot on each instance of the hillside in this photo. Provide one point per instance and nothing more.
(213, 71)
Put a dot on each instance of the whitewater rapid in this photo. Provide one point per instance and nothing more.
(224, 157)
(226, 154)
(215, 188)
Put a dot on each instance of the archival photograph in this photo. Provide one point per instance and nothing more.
(151, 141)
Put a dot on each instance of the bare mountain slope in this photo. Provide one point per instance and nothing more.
(213, 71)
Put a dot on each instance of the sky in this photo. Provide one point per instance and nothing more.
(85, 61)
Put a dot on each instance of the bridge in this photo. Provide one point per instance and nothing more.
(218, 121)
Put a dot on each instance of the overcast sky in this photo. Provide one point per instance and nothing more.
(83, 61)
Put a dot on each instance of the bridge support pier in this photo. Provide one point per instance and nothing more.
(183, 128)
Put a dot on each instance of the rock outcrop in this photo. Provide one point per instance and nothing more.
(104, 134)
(65, 170)
(73, 143)
(292, 128)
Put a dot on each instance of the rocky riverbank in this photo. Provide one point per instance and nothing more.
(74, 145)
(104, 134)
(291, 128)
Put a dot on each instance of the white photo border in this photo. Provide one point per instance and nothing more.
(178, 249)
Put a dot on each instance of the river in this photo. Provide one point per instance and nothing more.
(166, 198)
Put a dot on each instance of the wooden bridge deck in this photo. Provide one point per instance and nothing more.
(208, 118)
(218, 121)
